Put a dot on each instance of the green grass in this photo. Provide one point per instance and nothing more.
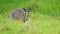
(43, 24)
(44, 20)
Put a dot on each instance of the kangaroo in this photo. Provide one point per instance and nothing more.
(19, 14)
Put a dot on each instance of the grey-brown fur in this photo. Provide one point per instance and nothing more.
(19, 14)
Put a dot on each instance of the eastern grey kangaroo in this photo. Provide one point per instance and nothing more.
(19, 14)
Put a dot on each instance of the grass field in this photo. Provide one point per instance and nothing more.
(45, 19)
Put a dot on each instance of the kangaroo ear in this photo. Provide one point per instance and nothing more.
(29, 9)
(24, 9)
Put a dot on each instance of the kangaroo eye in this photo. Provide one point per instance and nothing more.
(25, 13)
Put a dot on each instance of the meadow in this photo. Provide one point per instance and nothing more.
(44, 17)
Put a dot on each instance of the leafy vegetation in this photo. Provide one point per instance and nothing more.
(44, 17)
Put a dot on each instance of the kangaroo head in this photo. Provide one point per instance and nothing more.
(26, 13)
